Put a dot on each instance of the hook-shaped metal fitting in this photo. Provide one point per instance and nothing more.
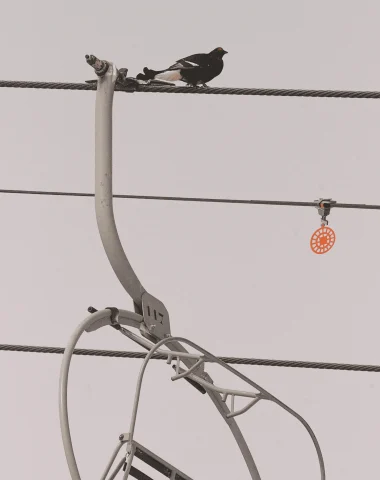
(324, 206)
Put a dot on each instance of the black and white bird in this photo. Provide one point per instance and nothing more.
(194, 70)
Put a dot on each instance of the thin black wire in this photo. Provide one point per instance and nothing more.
(270, 92)
(197, 199)
(230, 360)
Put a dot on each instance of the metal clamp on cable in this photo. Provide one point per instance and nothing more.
(124, 81)
(324, 206)
(114, 317)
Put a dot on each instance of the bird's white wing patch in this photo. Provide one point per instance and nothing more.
(183, 64)
(170, 76)
(176, 66)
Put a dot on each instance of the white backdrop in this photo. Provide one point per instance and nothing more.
(239, 280)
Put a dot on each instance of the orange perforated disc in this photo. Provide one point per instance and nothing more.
(322, 240)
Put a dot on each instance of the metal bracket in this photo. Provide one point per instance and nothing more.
(124, 80)
(114, 317)
(183, 374)
(156, 316)
(324, 206)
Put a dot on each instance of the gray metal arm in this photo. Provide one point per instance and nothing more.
(103, 187)
(156, 317)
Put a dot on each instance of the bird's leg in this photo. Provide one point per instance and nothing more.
(206, 86)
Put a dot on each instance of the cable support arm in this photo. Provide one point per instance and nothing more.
(156, 317)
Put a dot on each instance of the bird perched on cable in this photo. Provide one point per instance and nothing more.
(194, 70)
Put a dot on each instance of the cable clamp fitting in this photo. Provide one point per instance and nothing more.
(114, 317)
(324, 206)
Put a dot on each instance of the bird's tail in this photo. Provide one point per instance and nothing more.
(165, 75)
(148, 74)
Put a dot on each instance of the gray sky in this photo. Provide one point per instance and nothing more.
(239, 280)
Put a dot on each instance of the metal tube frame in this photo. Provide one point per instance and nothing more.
(89, 324)
(210, 387)
(151, 317)
(103, 318)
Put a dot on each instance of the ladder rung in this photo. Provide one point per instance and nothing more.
(136, 473)
(155, 462)
(152, 462)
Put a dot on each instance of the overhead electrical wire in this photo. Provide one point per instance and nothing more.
(361, 206)
(229, 360)
(204, 91)
(268, 92)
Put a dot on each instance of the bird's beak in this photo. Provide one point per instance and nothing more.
(224, 52)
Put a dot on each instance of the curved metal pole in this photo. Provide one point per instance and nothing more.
(98, 320)
(102, 318)
(270, 397)
(241, 442)
(219, 404)
(224, 411)
(103, 187)
(111, 462)
(87, 324)
(63, 382)
(190, 361)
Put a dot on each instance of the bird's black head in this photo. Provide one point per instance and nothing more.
(218, 52)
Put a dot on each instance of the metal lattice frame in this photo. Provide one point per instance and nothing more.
(150, 317)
